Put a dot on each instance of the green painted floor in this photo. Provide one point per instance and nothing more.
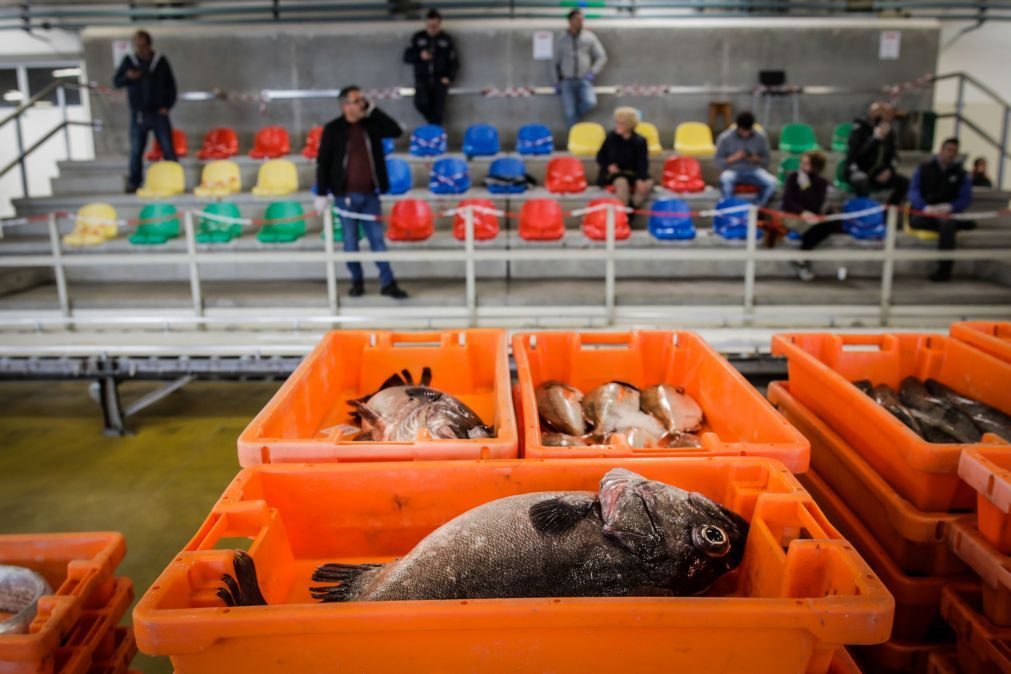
(58, 472)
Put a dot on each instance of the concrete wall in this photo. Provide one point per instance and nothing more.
(727, 52)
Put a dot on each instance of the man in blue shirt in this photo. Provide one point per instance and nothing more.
(743, 155)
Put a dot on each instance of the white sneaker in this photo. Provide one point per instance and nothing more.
(842, 273)
(803, 270)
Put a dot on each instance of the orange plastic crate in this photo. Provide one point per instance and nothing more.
(915, 540)
(942, 663)
(792, 603)
(115, 653)
(843, 663)
(982, 647)
(992, 337)
(900, 657)
(92, 631)
(822, 367)
(738, 420)
(298, 424)
(992, 567)
(988, 471)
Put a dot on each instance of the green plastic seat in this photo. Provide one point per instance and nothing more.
(216, 231)
(338, 228)
(841, 136)
(159, 223)
(786, 166)
(797, 138)
(840, 177)
(291, 229)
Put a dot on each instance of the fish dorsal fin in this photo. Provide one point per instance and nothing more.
(558, 515)
(408, 377)
(426, 376)
(393, 380)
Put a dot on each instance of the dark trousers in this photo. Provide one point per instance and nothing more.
(863, 184)
(430, 100)
(810, 239)
(946, 229)
(142, 123)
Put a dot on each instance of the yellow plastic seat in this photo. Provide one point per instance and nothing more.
(921, 234)
(277, 178)
(94, 224)
(219, 179)
(585, 139)
(164, 179)
(694, 139)
(652, 136)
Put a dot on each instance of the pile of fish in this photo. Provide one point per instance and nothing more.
(617, 413)
(938, 413)
(401, 408)
(633, 537)
(20, 590)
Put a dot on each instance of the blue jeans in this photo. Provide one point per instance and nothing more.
(366, 204)
(578, 98)
(749, 176)
(142, 123)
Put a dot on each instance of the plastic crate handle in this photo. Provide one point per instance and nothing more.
(435, 339)
(591, 339)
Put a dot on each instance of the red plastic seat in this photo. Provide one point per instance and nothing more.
(542, 220)
(485, 224)
(595, 222)
(311, 149)
(683, 174)
(410, 220)
(179, 141)
(565, 176)
(271, 142)
(220, 143)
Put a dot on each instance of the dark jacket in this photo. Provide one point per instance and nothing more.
(933, 185)
(797, 200)
(868, 154)
(331, 160)
(980, 180)
(444, 61)
(156, 88)
(631, 156)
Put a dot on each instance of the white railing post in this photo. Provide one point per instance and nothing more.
(469, 267)
(609, 290)
(888, 267)
(331, 271)
(191, 254)
(61, 100)
(61, 279)
(749, 265)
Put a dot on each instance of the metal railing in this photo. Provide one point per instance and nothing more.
(999, 143)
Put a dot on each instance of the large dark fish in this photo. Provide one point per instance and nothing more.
(887, 398)
(635, 537)
(987, 419)
(865, 385)
(444, 416)
(937, 412)
(20, 590)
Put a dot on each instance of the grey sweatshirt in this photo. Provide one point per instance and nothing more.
(578, 55)
(729, 143)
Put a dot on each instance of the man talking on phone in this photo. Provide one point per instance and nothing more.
(872, 158)
(351, 167)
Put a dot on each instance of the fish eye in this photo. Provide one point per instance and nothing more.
(711, 539)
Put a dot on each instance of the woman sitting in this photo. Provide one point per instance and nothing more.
(804, 194)
(624, 160)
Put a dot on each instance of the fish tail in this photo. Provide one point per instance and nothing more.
(242, 589)
(343, 577)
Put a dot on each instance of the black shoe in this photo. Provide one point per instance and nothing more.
(131, 189)
(940, 275)
(357, 290)
(394, 291)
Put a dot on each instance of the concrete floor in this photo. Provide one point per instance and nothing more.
(58, 472)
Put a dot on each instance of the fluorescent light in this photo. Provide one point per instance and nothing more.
(67, 72)
(13, 96)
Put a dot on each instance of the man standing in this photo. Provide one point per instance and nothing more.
(872, 158)
(941, 186)
(151, 91)
(435, 66)
(743, 155)
(579, 58)
(350, 166)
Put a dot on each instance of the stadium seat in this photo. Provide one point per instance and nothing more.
(410, 220)
(732, 226)
(288, 225)
(541, 220)
(534, 139)
(270, 142)
(311, 149)
(797, 138)
(219, 179)
(683, 174)
(870, 226)
(694, 139)
(485, 222)
(399, 173)
(841, 136)
(565, 175)
(428, 141)
(94, 224)
(786, 167)
(163, 179)
(388, 146)
(671, 220)
(921, 234)
(652, 136)
(840, 177)
(158, 222)
(179, 142)
(507, 175)
(480, 140)
(595, 222)
(276, 178)
(220, 143)
(449, 176)
(210, 230)
(585, 139)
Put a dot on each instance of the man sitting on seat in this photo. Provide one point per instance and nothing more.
(872, 158)
(742, 154)
(941, 186)
(624, 160)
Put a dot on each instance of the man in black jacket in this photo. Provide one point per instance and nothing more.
(151, 91)
(351, 167)
(435, 66)
(872, 158)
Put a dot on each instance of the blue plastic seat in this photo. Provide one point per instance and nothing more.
(534, 139)
(449, 176)
(428, 141)
(869, 226)
(388, 147)
(480, 140)
(399, 173)
(732, 226)
(667, 223)
(507, 175)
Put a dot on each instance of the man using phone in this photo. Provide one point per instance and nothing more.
(435, 61)
(743, 155)
(351, 167)
(872, 158)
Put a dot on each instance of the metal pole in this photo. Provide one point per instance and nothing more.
(958, 104)
(888, 268)
(1003, 148)
(468, 224)
(191, 252)
(21, 155)
(749, 265)
(331, 272)
(61, 100)
(61, 279)
(609, 264)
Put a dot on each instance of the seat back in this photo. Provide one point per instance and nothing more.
(671, 220)
(595, 221)
(734, 224)
(507, 175)
(683, 174)
(840, 177)
(222, 177)
(219, 143)
(311, 149)
(411, 220)
(277, 177)
(271, 142)
(99, 218)
(486, 222)
(428, 141)
(225, 209)
(585, 139)
(861, 224)
(694, 139)
(652, 136)
(480, 140)
(541, 220)
(841, 136)
(398, 172)
(565, 175)
(158, 218)
(534, 139)
(450, 175)
(786, 167)
(797, 137)
(285, 220)
(164, 179)
(180, 144)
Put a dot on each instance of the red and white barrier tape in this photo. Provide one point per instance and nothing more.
(641, 90)
(508, 92)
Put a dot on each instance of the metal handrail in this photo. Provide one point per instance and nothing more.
(41, 141)
(30, 103)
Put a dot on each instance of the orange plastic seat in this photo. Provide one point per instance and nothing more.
(542, 220)
(271, 142)
(565, 175)
(179, 142)
(411, 220)
(311, 149)
(683, 174)
(485, 223)
(595, 222)
(219, 143)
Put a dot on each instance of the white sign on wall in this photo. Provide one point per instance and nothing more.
(120, 48)
(544, 49)
(891, 42)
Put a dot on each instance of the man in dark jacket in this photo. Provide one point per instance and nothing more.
(872, 158)
(435, 66)
(351, 167)
(151, 91)
(941, 186)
